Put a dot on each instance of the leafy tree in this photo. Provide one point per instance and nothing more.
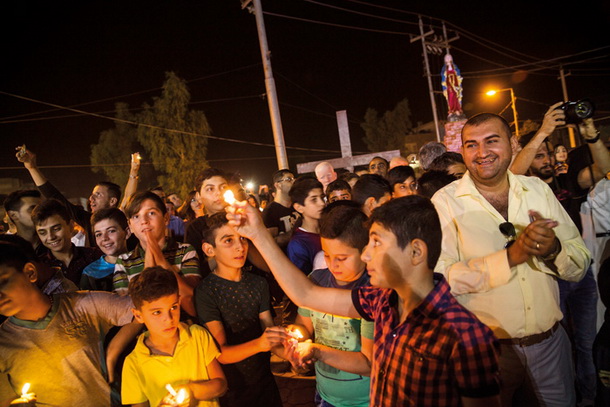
(170, 135)
(388, 131)
(174, 136)
(115, 147)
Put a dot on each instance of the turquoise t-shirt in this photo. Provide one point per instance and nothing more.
(339, 388)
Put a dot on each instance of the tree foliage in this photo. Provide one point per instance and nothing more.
(173, 137)
(112, 154)
(387, 132)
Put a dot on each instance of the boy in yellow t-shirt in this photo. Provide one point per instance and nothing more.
(170, 352)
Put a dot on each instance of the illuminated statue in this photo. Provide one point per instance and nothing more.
(452, 88)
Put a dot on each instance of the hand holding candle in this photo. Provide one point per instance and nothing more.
(180, 398)
(26, 399)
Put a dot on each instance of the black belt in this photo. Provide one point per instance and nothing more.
(531, 339)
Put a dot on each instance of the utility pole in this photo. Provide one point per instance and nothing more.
(274, 108)
(564, 88)
(423, 36)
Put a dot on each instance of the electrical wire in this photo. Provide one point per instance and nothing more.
(114, 119)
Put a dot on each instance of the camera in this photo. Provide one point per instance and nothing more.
(577, 111)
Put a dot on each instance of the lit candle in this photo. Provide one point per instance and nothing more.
(229, 197)
(138, 156)
(175, 398)
(170, 390)
(26, 399)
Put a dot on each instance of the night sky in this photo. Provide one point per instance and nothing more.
(72, 54)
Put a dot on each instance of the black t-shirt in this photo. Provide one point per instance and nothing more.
(278, 216)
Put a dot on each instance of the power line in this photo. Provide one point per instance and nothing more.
(134, 93)
(165, 129)
(361, 13)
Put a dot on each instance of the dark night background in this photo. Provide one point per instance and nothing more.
(70, 54)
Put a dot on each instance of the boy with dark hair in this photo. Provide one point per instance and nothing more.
(54, 228)
(433, 180)
(53, 342)
(111, 233)
(371, 191)
(338, 190)
(170, 352)
(147, 219)
(308, 200)
(279, 216)
(235, 307)
(402, 180)
(210, 186)
(18, 206)
(423, 336)
(342, 347)
(450, 162)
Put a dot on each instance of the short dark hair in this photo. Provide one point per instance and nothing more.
(213, 223)
(433, 180)
(348, 176)
(429, 151)
(49, 208)
(412, 217)
(207, 174)
(399, 174)
(114, 214)
(13, 200)
(114, 191)
(481, 118)
(12, 254)
(370, 185)
(345, 221)
(443, 161)
(279, 175)
(152, 284)
(379, 158)
(134, 204)
(301, 188)
(338, 185)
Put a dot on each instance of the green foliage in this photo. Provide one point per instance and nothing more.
(112, 154)
(388, 131)
(172, 136)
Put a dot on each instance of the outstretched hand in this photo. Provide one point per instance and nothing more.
(538, 239)
(272, 337)
(26, 157)
(246, 220)
(552, 118)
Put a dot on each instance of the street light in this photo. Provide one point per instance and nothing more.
(512, 102)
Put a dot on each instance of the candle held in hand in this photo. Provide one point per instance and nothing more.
(229, 197)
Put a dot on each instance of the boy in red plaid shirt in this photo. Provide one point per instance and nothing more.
(428, 350)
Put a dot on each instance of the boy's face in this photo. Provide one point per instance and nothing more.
(210, 194)
(15, 290)
(110, 237)
(149, 219)
(100, 199)
(343, 261)
(339, 195)
(55, 233)
(385, 261)
(313, 205)
(160, 316)
(405, 188)
(24, 214)
(231, 249)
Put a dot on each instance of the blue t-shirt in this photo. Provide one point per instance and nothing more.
(97, 276)
(335, 386)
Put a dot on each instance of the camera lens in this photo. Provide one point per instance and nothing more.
(583, 109)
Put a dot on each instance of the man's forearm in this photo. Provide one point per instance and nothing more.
(352, 362)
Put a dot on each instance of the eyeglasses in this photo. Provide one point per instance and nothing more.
(508, 230)
(287, 179)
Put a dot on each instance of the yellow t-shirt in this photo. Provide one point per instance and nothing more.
(145, 375)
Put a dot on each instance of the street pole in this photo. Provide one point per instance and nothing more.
(564, 88)
(512, 100)
(430, 88)
(274, 109)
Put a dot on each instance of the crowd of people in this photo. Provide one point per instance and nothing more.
(471, 279)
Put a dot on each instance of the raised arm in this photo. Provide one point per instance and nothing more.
(132, 183)
(295, 284)
(599, 153)
(552, 118)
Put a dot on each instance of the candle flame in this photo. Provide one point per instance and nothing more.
(181, 397)
(297, 333)
(25, 389)
(138, 156)
(170, 389)
(229, 197)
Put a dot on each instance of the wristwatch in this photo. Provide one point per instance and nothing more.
(553, 255)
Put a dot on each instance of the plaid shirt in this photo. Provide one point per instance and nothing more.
(438, 354)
